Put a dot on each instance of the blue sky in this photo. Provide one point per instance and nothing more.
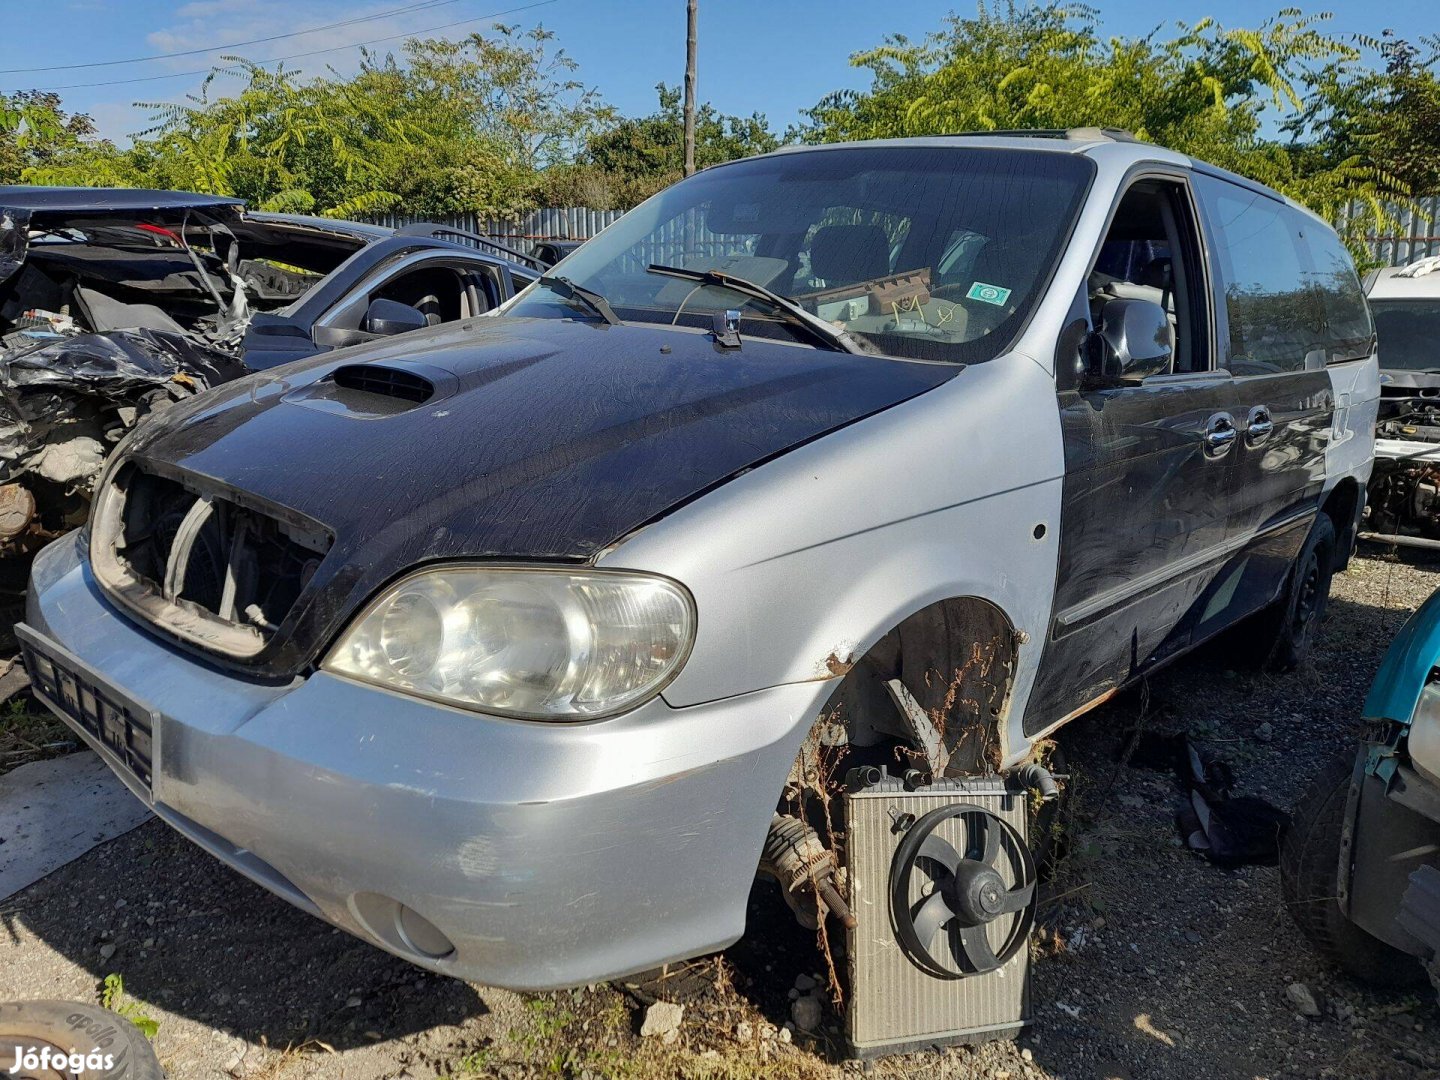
(772, 56)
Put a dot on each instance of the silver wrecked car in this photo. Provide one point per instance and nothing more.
(497, 645)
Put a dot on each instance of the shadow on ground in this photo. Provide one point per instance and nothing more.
(197, 939)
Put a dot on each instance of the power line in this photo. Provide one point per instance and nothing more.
(236, 45)
(299, 55)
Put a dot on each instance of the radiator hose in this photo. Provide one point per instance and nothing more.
(1037, 778)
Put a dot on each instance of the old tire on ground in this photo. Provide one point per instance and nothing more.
(71, 1027)
(678, 983)
(1282, 634)
(1309, 861)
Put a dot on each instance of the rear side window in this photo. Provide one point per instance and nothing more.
(1292, 298)
(1275, 318)
(1349, 331)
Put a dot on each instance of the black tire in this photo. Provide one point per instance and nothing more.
(677, 983)
(1309, 861)
(69, 1027)
(1281, 636)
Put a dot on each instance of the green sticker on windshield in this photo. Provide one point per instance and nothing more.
(988, 294)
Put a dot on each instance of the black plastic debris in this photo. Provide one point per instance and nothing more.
(1228, 829)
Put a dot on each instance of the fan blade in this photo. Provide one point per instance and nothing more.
(991, 833)
(929, 917)
(977, 948)
(939, 850)
(1017, 899)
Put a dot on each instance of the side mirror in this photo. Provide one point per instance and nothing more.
(387, 317)
(1135, 340)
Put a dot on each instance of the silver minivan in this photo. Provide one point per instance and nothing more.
(497, 645)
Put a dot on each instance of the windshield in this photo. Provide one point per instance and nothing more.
(936, 253)
(1408, 334)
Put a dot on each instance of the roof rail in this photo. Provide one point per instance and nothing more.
(1075, 134)
(439, 232)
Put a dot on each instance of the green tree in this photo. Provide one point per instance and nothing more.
(497, 123)
(1406, 123)
(1388, 115)
(634, 157)
(36, 132)
(279, 142)
(444, 128)
(509, 89)
(1206, 90)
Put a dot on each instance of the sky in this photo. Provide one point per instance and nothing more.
(771, 56)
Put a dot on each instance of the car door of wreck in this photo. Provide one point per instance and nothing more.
(1150, 463)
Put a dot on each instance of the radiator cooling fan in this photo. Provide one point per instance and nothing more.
(967, 892)
(942, 890)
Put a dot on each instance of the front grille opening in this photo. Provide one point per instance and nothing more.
(385, 381)
(198, 554)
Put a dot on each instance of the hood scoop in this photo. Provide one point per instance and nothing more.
(385, 381)
(372, 391)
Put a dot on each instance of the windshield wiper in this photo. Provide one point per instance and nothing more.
(814, 326)
(587, 298)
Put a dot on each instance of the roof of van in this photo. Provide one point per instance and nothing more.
(1111, 146)
(1069, 141)
(1420, 279)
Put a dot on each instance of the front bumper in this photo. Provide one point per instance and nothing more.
(548, 855)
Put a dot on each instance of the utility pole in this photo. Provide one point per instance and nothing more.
(690, 18)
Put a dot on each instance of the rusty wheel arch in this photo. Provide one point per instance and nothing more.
(957, 658)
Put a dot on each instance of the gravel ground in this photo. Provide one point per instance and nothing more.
(1150, 963)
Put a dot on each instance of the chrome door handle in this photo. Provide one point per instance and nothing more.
(1259, 427)
(1219, 435)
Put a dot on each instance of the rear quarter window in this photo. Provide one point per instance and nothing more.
(1349, 329)
(1292, 298)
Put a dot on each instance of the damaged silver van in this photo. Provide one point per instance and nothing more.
(505, 645)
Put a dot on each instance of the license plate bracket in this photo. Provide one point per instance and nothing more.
(110, 720)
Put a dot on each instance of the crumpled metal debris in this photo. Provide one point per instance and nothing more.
(14, 240)
(117, 363)
(64, 403)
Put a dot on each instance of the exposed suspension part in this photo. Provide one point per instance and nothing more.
(796, 857)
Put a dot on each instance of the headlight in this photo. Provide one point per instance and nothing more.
(537, 644)
(1423, 739)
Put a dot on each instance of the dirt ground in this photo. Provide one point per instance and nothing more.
(1149, 962)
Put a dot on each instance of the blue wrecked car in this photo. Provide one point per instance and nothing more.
(1360, 865)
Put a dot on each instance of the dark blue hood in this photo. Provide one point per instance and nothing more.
(543, 439)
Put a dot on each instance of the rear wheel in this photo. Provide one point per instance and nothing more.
(1309, 870)
(1280, 637)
